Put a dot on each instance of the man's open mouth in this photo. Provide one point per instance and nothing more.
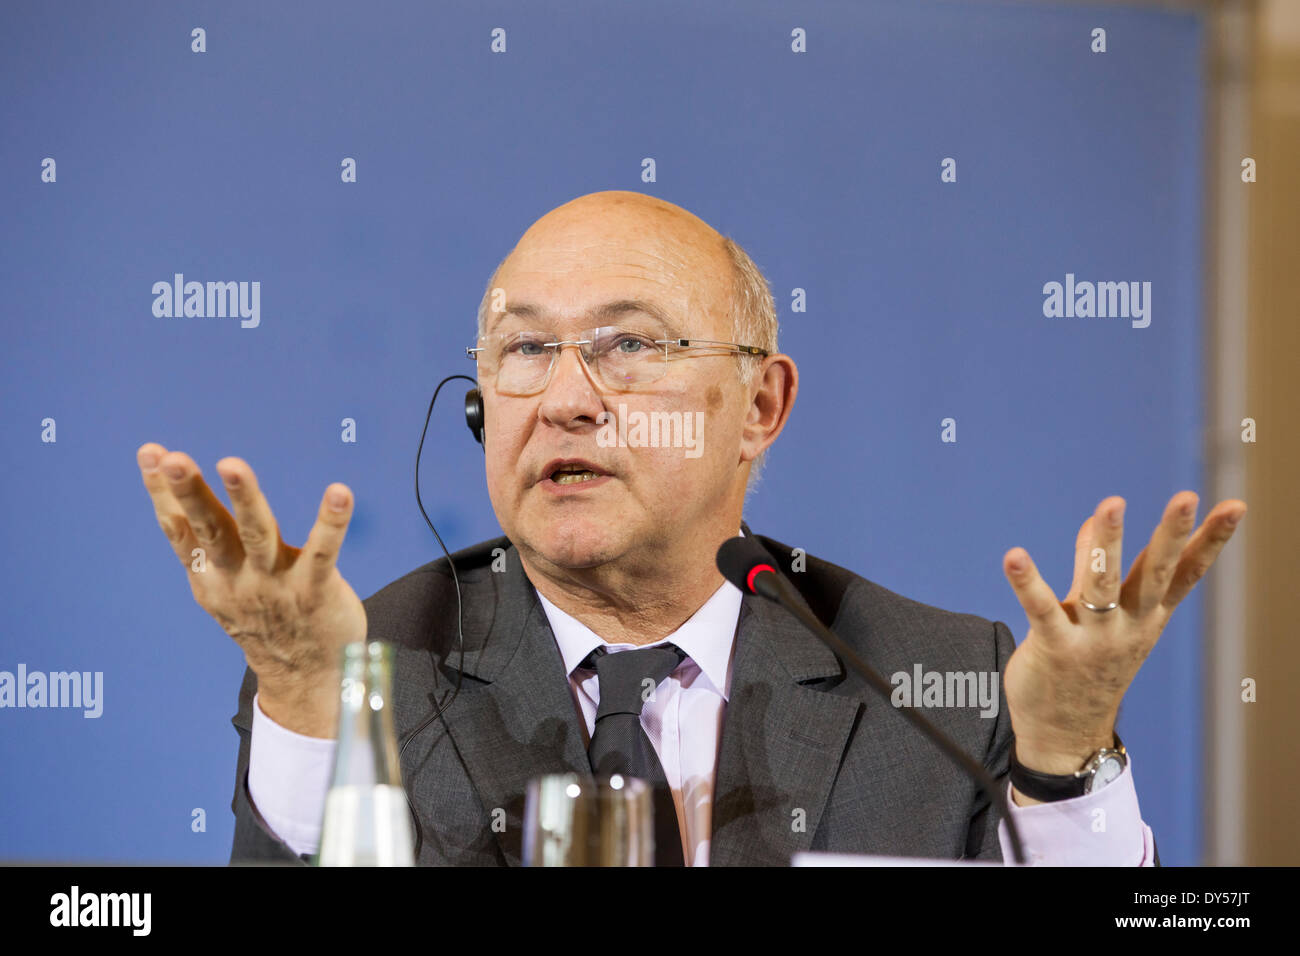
(573, 472)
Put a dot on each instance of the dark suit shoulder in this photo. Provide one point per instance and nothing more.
(870, 616)
(410, 609)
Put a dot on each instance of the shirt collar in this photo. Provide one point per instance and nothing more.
(707, 636)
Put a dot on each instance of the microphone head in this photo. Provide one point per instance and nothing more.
(739, 559)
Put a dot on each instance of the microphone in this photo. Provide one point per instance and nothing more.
(745, 563)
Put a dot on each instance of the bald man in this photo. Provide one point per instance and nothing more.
(617, 314)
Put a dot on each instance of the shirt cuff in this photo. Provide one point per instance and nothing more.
(288, 778)
(1104, 828)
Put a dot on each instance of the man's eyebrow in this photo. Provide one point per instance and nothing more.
(602, 313)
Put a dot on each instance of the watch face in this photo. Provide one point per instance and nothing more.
(1110, 768)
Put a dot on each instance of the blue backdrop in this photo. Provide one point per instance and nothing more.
(924, 302)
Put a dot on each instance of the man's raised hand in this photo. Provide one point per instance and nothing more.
(288, 608)
(1065, 681)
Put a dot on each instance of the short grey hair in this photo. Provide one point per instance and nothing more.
(753, 318)
(753, 310)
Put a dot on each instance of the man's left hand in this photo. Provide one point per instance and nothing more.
(1065, 681)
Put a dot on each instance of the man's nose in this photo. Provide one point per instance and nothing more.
(572, 396)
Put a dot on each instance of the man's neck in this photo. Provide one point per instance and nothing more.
(631, 608)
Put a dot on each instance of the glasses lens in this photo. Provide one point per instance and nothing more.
(626, 357)
(519, 360)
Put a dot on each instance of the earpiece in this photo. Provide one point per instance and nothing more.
(474, 413)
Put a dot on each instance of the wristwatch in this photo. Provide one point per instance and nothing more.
(1100, 769)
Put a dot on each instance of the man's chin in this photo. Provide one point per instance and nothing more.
(576, 543)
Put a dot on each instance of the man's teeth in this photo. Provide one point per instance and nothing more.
(572, 477)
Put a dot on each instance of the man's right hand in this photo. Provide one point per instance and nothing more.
(288, 608)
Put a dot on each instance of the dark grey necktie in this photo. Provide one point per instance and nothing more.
(619, 743)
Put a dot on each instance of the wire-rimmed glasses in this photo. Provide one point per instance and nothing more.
(520, 362)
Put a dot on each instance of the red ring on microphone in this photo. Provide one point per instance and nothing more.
(749, 578)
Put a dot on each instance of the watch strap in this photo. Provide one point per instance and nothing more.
(1050, 787)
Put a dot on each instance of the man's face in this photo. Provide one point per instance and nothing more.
(648, 500)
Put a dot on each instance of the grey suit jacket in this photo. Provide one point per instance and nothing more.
(810, 757)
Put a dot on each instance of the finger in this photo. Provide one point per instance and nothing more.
(321, 552)
(1082, 547)
(1043, 610)
(1149, 578)
(171, 518)
(258, 531)
(1101, 581)
(1201, 552)
(211, 523)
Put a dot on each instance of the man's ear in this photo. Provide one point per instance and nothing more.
(777, 384)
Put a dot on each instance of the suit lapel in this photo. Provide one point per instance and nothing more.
(781, 740)
(517, 719)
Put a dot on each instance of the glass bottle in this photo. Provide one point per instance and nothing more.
(366, 822)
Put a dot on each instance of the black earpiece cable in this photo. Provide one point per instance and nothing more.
(460, 616)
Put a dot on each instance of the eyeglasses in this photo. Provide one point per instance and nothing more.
(621, 359)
